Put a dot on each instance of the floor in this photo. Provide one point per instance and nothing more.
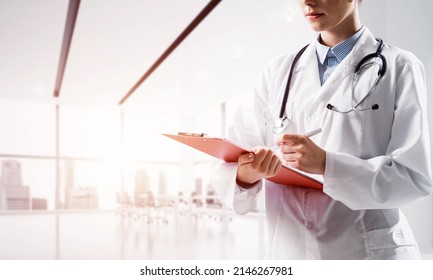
(160, 234)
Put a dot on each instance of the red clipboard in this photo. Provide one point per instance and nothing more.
(228, 151)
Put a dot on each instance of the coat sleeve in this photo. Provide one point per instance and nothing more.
(403, 174)
(248, 129)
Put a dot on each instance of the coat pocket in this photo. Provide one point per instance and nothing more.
(392, 243)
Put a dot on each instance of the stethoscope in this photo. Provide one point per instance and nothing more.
(282, 122)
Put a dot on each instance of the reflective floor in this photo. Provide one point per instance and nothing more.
(144, 234)
(161, 234)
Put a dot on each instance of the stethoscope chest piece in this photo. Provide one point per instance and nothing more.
(280, 125)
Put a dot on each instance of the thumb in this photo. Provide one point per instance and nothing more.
(246, 158)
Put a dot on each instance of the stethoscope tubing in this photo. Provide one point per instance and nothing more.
(289, 81)
(281, 122)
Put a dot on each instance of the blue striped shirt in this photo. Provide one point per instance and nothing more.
(329, 58)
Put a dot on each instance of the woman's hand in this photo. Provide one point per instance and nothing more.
(262, 163)
(301, 153)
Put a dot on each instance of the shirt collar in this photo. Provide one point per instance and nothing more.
(339, 51)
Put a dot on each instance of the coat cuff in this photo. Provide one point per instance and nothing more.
(243, 194)
(329, 176)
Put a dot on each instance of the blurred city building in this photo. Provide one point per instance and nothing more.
(13, 194)
(69, 183)
(39, 204)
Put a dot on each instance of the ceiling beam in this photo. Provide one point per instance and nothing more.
(202, 15)
(66, 44)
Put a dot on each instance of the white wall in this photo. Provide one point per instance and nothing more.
(407, 24)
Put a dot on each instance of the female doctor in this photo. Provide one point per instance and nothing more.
(373, 149)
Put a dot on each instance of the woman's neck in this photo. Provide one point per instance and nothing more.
(341, 32)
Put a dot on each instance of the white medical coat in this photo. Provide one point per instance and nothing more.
(376, 161)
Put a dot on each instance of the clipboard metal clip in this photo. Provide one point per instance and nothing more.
(192, 134)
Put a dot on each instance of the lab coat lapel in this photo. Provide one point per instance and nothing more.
(367, 44)
(308, 68)
(305, 84)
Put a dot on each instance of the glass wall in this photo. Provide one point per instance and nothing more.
(27, 153)
(27, 128)
(103, 155)
(90, 133)
(117, 189)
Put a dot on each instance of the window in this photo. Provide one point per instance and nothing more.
(27, 128)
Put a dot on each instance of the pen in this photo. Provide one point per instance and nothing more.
(308, 134)
(312, 133)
